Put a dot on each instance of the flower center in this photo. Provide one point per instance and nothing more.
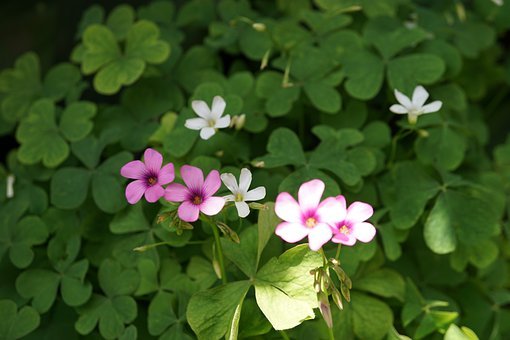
(311, 222)
(212, 123)
(197, 200)
(345, 230)
(239, 197)
(152, 180)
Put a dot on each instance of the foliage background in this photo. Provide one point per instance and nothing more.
(319, 109)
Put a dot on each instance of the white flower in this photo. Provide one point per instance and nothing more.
(498, 2)
(414, 107)
(210, 119)
(240, 193)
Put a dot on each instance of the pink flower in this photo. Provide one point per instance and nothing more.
(353, 227)
(149, 175)
(198, 195)
(310, 217)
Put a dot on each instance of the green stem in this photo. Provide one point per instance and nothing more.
(284, 335)
(399, 135)
(338, 249)
(324, 258)
(330, 333)
(219, 251)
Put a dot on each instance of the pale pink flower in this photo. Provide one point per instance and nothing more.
(149, 176)
(353, 227)
(310, 217)
(197, 195)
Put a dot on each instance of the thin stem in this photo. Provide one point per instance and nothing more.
(284, 335)
(400, 134)
(219, 251)
(338, 249)
(324, 258)
(330, 333)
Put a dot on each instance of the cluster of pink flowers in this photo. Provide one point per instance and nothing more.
(322, 221)
(196, 196)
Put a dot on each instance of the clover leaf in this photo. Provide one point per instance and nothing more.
(42, 140)
(16, 324)
(22, 85)
(101, 54)
(162, 319)
(112, 311)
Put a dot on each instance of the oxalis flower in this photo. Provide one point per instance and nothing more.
(240, 194)
(197, 195)
(210, 119)
(353, 226)
(414, 107)
(310, 217)
(149, 176)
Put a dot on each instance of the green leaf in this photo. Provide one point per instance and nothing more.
(143, 42)
(279, 99)
(372, 318)
(455, 333)
(443, 147)
(365, 74)
(284, 287)
(110, 78)
(382, 282)
(405, 73)
(108, 192)
(323, 96)
(69, 187)
(116, 281)
(161, 314)
(439, 233)
(266, 224)
(16, 324)
(75, 122)
(210, 312)
(39, 136)
(129, 220)
(284, 148)
(390, 36)
(101, 48)
(41, 286)
(244, 254)
(60, 80)
(292, 182)
(120, 20)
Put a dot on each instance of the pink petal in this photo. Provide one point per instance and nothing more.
(192, 176)
(310, 194)
(341, 199)
(212, 183)
(363, 231)
(134, 170)
(291, 232)
(135, 191)
(348, 240)
(287, 208)
(331, 211)
(319, 235)
(153, 159)
(212, 205)
(176, 192)
(188, 212)
(166, 174)
(154, 193)
(359, 212)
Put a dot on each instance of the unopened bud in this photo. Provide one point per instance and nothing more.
(257, 206)
(325, 308)
(219, 153)
(265, 60)
(10, 186)
(337, 299)
(258, 164)
(258, 26)
(141, 249)
(423, 133)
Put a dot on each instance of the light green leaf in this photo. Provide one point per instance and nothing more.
(210, 312)
(101, 48)
(143, 42)
(244, 254)
(372, 318)
(383, 282)
(120, 20)
(284, 287)
(266, 224)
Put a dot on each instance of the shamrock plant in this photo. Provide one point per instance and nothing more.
(243, 169)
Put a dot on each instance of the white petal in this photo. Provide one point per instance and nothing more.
(255, 194)
(397, 108)
(195, 123)
(230, 182)
(229, 198)
(244, 180)
(223, 122)
(200, 107)
(242, 209)
(432, 107)
(207, 133)
(402, 98)
(420, 96)
(218, 106)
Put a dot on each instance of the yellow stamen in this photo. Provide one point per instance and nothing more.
(239, 198)
(152, 180)
(345, 230)
(311, 222)
(197, 200)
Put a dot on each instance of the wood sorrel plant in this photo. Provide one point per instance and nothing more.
(122, 138)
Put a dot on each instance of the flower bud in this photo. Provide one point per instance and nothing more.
(258, 164)
(423, 133)
(325, 308)
(257, 206)
(10, 186)
(258, 26)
